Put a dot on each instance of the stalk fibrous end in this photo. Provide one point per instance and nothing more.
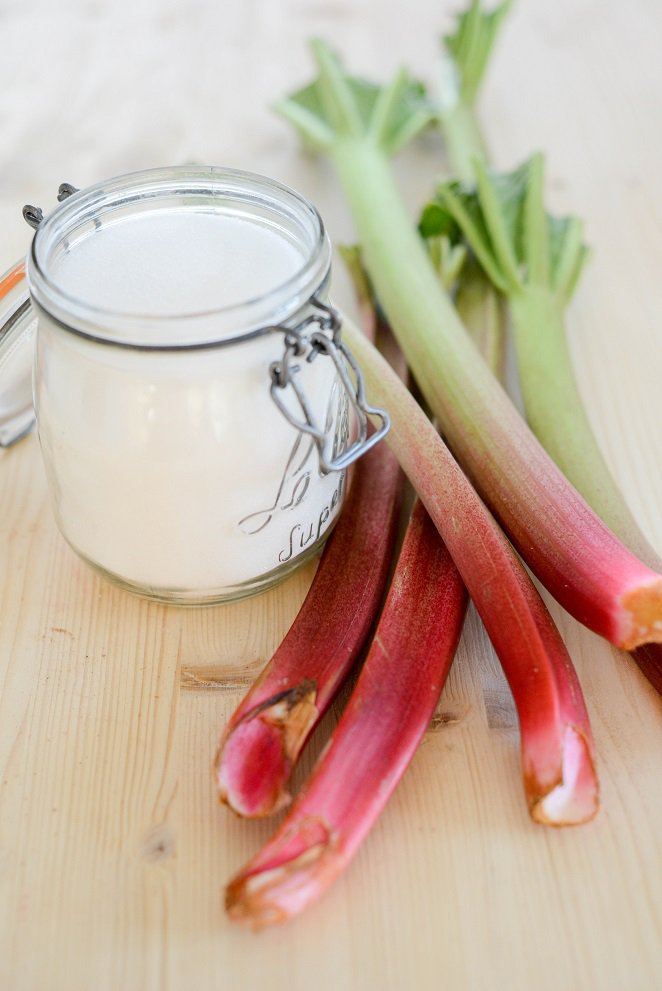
(574, 798)
(255, 759)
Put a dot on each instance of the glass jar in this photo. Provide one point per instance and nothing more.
(194, 404)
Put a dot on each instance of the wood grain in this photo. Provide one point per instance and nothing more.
(113, 850)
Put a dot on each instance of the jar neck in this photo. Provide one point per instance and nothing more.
(213, 192)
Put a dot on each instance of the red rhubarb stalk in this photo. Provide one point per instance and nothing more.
(556, 742)
(484, 314)
(568, 547)
(268, 730)
(388, 713)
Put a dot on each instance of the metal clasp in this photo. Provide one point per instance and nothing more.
(299, 343)
(33, 215)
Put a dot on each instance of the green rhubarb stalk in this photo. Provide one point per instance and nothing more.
(466, 53)
(363, 291)
(481, 307)
(535, 261)
(359, 125)
(483, 313)
(553, 403)
(482, 310)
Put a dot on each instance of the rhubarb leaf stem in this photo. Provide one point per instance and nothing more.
(556, 413)
(536, 242)
(483, 312)
(466, 54)
(462, 138)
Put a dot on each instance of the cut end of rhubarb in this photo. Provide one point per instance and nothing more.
(575, 798)
(293, 870)
(255, 760)
(643, 609)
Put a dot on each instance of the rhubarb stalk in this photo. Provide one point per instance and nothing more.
(531, 258)
(554, 731)
(268, 730)
(399, 686)
(363, 291)
(553, 403)
(568, 547)
(466, 53)
(483, 313)
(372, 745)
(535, 261)
(406, 666)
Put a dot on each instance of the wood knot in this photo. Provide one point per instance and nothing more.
(447, 717)
(158, 843)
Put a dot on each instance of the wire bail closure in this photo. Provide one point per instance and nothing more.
(33, 215)
(325, 339)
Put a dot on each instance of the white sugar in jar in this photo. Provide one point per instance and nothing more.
(194, 408)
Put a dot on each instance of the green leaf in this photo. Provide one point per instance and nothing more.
(501, 199)
(447, 259)
(435, 221)
(343, 110)
(464, 208)
(581, 258)
(504, 222)
(337, 106)
(451, 262)
(567, 252)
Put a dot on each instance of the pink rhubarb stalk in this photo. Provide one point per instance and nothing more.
(388, 713)
(484, 317)
(556, 742)
(268, 730)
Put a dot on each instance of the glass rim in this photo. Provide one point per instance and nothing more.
(253, 316)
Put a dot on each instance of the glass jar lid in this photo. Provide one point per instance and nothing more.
(193, 210)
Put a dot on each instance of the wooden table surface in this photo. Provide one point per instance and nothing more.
(113, 850)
